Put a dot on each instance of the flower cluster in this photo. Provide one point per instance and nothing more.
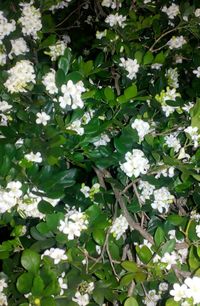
(73, 224)
(3, 285)
(119, 227)
(56, 254)
(6, 27)
(10, 196)
(136, 163)
(30, 20)
(90, 192)
(162, 199)
(20, 76)
(49, 81)
(72, 95)
(116, 20)
(131, 66)
(188, 290)
(56, 50)
(169, 94)
(142, 127)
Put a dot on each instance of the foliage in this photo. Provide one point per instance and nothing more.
(99, 151)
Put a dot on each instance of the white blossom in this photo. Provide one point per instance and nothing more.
(81, 299)
(34, 157)
(119, 227)
(142, 127)
(131, 66)
(162, 199)
(62, 283)
(176, 42)
(30, 20)
(198, 230)
(152, 298)
(172, 77)
(136, 163)
(19, 47)
(178, 292)
(56, 254)
(193, 289)
(103, 141)
(146, 190)
(49, 81)
(72, 95)
(163, 286)
(56, 50)
(85, 190)
(73, 224)
(173, 142)
(110, 3)
(14, 189)
(194, 134)
(76, 126)
(42, 118)
(6, 27)
(100, 35)
(7, 201)
(197, 12)
(172, 11)
(116, 19)
(156, 66)
(3, 55)
(28, 205)
(197, 72)
(20, 76)
(169, 259)
(60, 5)
(4, 106)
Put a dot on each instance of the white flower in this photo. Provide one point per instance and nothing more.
(4, 106)
(19, 47)
(183, 154)
(76, 126)
(172, 77)
(131, 66)
(6, 27)
(3, 284)
(151, 299)
(163, 286)
(142, 127)
(3, 299)
(119, 227)
(179, 292)
(56, 254)
(30, 20)
(29, 206)
(73, 224)
(136, 163)
(103, 141)
(197, 12)
(60, 5)
(197, 72)
(162, 199)
(14, 189)
(172, 11)
(176, 42)
(56, 50)
(156, 66)
(193, 288)
(62, 283)
(198, 230)
(72, 95)
(116, 19)
(146, 190)
(173, 142)
(34, 157)
(110, 3)
(3, 55)
(20, 76)
(100, 35)
(81, 299)
(42, 118)
(169, 259)
(85, 190)
(7, 201)
(187, 107)
(194, 134)
(49, 81)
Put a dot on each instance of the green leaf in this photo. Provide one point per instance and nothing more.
(168, 247)
(195, 115)
(38, 286)
(171, 302)
(98, 295)
(148, 58)
(60, 78)
(24, 282)
(48, 301)
(159, 236)
(98, 236)
(64, 61)
(131, 301)
(138, 56)
(130, 92)
(144, 253)
(30, 260)
(109, 94)
(45, 207)
(130, 266)
(127, 279)
(175, 219)
(194, 261)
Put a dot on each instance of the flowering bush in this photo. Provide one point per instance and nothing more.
(99, 150)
